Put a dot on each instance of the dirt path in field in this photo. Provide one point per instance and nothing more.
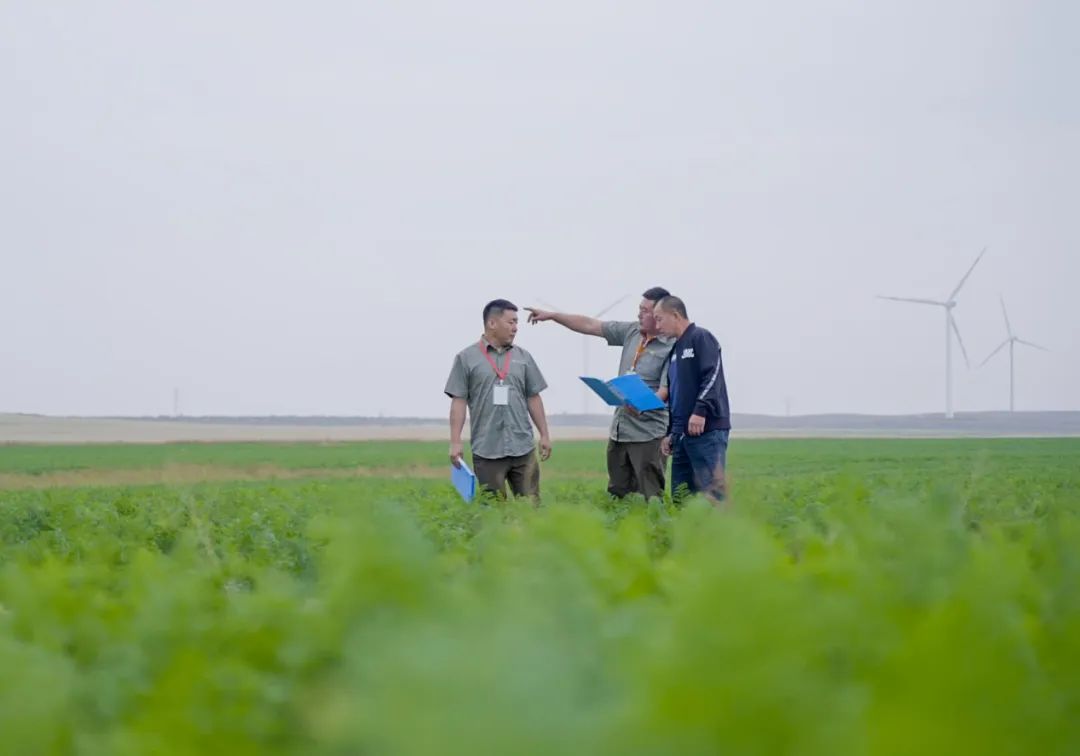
(27, 429)
(180, 474)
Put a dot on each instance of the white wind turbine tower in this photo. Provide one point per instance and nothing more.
(950, 329)
(586, 391)
(1011, 342)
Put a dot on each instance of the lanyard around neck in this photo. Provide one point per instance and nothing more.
(645, 340)
(500, 374)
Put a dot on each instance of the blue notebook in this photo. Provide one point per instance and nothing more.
(626, 389)
(464, 481)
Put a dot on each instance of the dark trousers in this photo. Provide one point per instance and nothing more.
(523, 474)
(698, 463)
(635, 467)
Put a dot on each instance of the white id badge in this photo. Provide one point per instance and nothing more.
(500, 396)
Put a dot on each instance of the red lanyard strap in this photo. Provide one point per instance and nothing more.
(500, 374)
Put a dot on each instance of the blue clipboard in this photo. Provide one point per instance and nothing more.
(464, 481)
(626, 389)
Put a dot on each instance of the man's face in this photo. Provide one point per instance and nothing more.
(504, 327)
(665, 322)
(645, 316)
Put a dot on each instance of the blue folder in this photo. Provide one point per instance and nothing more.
(626, 389)
(464, 480)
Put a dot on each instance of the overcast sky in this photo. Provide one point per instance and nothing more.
(290, 208)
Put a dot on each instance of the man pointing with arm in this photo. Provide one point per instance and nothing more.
(634, 461)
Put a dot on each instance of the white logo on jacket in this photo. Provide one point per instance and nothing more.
(688, 353)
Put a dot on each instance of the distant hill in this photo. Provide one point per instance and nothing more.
(976, 423)
(24, 428)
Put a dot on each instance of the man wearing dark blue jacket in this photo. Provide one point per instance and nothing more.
(700, 418)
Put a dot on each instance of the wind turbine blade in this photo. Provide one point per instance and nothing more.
(1003, 345)
(956, 330)
(549, 305)
(1008, 325)
(963, 280)
(612, 306)
(916, 301)
(1028, 343)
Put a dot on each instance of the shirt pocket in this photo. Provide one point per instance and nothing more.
(650, 367)
(518, 377)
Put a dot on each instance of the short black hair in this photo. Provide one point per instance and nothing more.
(673, 304)
(656, 293)
(497, 307)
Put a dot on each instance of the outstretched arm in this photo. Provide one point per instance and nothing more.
(578, 323)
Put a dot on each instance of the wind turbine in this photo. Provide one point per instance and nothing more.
(1011, 342)
(585, 393)
(950, 328)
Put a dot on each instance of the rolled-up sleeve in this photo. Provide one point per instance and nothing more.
(616, 332)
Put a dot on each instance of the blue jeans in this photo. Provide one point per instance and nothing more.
(698, 463)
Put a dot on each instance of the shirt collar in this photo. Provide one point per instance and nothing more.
(488, 345)
(688, 332)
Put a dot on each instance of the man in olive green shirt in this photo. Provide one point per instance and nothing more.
(499, 385)
(634, 460)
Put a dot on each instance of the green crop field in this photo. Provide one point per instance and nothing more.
(854, 597)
